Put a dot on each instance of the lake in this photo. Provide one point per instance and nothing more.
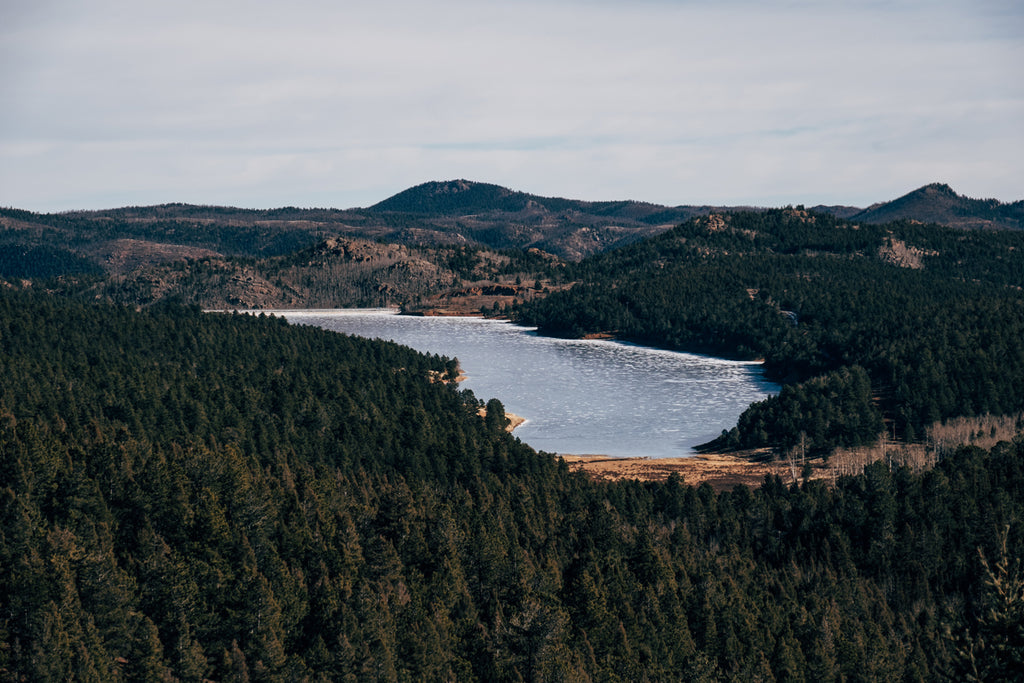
(578, 396)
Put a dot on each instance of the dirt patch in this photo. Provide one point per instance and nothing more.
(483, 298)
(463, 304)
(722, 471)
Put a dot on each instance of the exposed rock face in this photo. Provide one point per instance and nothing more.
(247, 289)
(358, 251)
(899, 253)
(715, 223)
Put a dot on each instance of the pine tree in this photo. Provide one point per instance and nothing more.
(995, 651)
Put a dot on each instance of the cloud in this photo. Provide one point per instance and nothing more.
(264, 104)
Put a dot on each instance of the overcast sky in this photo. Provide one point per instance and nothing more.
(328, 103)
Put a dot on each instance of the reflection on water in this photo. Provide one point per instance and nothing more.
(578, 396)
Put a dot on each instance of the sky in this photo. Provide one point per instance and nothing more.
(331, 103)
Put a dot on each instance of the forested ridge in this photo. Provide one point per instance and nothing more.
(234, 232)
(190, 496)
(910, 322)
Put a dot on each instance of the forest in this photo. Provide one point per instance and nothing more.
(901, 324)
(189, 496)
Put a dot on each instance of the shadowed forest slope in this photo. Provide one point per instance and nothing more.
(210, 496)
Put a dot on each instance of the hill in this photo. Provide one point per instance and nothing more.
(335, 273)
(436, 245)
(499, 217)
(453, 213)
(456, 197)
(463, 197)
(449, 213)
(939, 203)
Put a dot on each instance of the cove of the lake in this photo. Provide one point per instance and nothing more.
(578, 396)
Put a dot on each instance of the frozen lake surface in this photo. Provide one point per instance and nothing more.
(578, 396)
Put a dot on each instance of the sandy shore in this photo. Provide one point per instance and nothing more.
(720, 470)
(514, 421)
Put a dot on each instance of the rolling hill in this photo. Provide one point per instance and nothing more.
(456, 212)
(225, 256)
(939, 203)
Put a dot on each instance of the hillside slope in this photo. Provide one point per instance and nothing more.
(335, 273)
(939, 203)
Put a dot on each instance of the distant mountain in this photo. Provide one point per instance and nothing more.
(439, 213)
(939, 203)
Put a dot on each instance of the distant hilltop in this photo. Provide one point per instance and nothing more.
(939, 203)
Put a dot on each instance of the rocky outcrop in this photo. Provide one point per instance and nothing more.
(899, 253)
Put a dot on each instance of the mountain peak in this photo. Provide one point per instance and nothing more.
(941, 188)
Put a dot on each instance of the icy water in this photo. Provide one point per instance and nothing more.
(578, 396)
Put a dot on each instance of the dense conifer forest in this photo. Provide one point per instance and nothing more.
(189, 496)
(908, 322)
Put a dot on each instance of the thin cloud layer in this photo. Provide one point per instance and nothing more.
(320, 104)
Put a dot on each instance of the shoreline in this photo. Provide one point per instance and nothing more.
(721, 471)
(513, 419)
